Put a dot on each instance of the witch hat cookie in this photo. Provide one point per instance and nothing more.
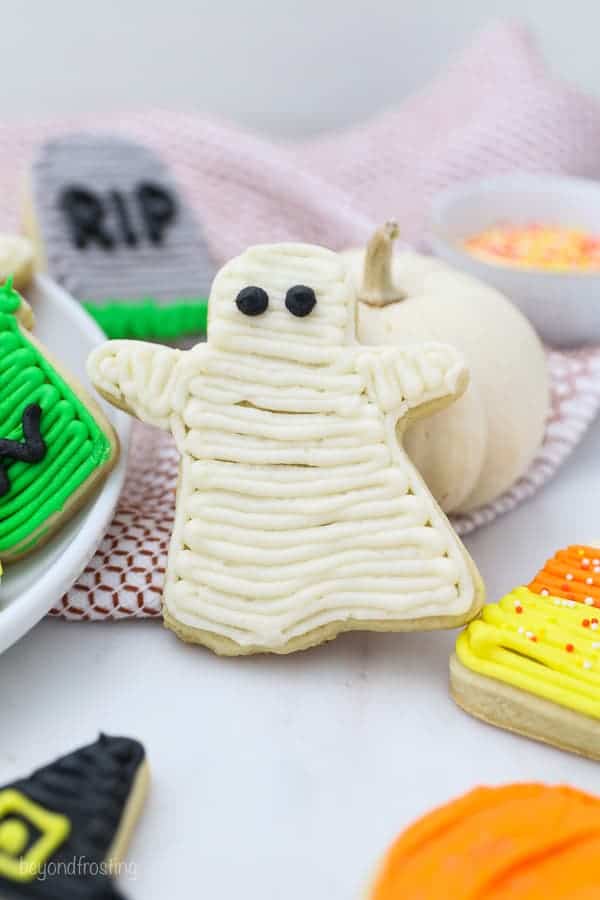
(64, 829)
(111, 225)
(531, 663)
(298, 513)
(56, 445)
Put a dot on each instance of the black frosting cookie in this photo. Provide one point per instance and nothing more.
(61, 827)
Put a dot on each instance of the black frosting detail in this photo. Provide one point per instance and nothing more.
(300, 300)
(31, 450)
(158, 209)
(91, 786)
(127, 233)
(252, 301)
(85, 214)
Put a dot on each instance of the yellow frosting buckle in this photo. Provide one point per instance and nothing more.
(23, 823)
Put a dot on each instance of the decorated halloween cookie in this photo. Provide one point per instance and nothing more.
(298, 513)
(16, 260)
(531, 664)
(111, 225)
(55, 443)
(519, 841)
(66, 827)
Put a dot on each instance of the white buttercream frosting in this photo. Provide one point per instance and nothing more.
(297, 507)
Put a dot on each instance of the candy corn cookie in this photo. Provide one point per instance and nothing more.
(110, 224)
(520, 841)
(299, 514)
(66, 827)
(531, 663)
(56, 445)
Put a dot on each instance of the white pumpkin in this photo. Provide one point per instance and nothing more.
(475, 449)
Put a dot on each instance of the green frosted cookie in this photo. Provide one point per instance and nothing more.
(55, 443)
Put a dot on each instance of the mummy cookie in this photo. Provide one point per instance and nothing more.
(64, 829)
(298, 513)
(55, 444)
(111, 225)
(519, 841)
(531, 664)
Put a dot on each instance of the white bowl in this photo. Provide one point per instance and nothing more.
(33, 585)
(564, 307)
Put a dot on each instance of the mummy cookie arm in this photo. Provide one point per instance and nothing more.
(136, 377)
(405, 379)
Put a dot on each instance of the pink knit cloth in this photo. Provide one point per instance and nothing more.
(497, 108)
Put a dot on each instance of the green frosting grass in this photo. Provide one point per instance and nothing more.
(147, 319)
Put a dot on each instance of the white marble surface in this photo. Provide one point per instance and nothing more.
(286, 777)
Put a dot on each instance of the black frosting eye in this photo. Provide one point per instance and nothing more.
(300, 300)
(252, 301)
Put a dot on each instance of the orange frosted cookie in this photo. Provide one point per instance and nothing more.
(523, 841)
(572, 574)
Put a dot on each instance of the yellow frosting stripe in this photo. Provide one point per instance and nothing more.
(543, 645)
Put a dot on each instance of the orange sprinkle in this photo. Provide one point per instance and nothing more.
(537, 245)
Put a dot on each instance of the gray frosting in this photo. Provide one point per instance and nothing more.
(179, 267)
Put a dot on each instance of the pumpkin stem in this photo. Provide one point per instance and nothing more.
(378, 287)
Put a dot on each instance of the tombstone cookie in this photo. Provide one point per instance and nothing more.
(111, 225)
(55, 444)
(298, 513)
(66, 827)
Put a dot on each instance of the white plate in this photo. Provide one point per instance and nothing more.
(564, 307)
(32, 586)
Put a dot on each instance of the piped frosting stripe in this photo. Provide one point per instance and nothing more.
(522, 841)
(572, 574)
(75, 444)
(544, 645)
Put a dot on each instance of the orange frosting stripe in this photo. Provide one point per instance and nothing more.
(523, 841)
(571, 574)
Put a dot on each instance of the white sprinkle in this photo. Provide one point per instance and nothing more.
(544, 592)
(557, 602)
(596, 569)
(569, 577)
(585, 561)
(589, 601)
(587, 664)
(596, 562)
(571, 603)
(589, 580)
(596, 645)
(520, 629)
(529, 634)
(594, 626)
